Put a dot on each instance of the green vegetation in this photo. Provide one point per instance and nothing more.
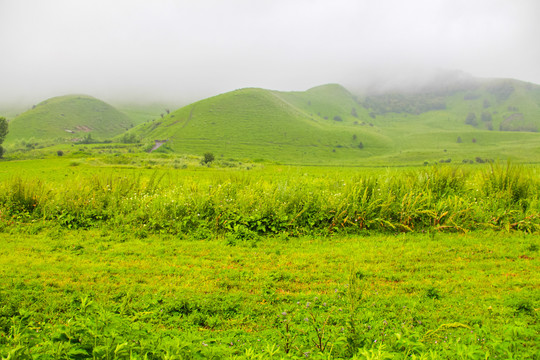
(105, 258)
(263, 124)
(140, 113)
(444, 198)
(317, 126)
(325, 125)
(3, 133)
(207, 158)
(107, 294)
(66, 118)
(219, 255)
(119, 248)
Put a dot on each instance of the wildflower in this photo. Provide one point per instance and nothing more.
(284, 313)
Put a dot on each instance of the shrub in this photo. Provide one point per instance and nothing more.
(60, 153)
(207, 158)
(471, 119)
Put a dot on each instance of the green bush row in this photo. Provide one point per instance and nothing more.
(441, 198)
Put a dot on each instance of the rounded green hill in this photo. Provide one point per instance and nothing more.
(70, 117)
(258, 123)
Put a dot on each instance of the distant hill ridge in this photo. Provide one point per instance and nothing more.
(328, 122)
(450, 121)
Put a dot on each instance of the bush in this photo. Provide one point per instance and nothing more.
(486, 116)
(471, 119)
(207, 158)
(60, 153)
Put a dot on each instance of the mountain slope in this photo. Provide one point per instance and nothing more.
(68, 118)
(259, 123)
(327, 124)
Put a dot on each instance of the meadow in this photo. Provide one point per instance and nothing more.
(124, 256)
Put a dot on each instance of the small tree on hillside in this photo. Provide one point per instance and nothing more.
(471, 119)
(3, 133)
(207, 158)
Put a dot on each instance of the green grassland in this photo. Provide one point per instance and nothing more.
(110, 252)
(67, 118)
(141, 112)
(328, 125)
(128, 256)
(110, 295)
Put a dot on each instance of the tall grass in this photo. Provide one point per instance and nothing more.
(440, 198)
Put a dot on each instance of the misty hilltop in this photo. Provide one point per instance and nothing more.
(329, 123)
(452, 117)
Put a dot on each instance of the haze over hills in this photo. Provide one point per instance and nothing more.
(450, 117)
(467, 118)
(68, 118)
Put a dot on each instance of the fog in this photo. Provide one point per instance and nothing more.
(181, 51)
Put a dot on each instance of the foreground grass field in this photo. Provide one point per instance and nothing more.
(124, 257)
(105, 294)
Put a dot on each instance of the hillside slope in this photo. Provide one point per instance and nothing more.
(258, 123)
(484, 119)
(68, 117)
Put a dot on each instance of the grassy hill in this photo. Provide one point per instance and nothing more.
(68, 117)
(328, 124)
(469, 121)
(257, 123)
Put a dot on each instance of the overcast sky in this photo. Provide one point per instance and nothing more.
(185, 50)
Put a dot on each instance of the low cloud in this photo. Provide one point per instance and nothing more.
(181, 51)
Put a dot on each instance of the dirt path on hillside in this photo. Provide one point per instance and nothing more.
(158, 144)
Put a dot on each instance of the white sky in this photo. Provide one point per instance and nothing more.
(165, 50)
